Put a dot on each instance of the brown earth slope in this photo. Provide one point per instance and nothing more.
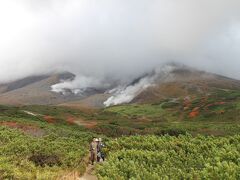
(183, 82)
(33, 90)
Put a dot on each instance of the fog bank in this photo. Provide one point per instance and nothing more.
(116, 40)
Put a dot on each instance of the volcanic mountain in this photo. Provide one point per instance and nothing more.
(182, 82)
(37, 90)
(169, 81)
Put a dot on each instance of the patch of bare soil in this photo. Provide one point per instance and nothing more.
(26, 128)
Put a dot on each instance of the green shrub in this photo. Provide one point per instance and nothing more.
(171, 132)
(169, 157)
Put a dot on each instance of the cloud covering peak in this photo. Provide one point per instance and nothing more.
(117, 39)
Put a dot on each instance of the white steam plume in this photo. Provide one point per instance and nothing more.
(127, 93)
(78, 85)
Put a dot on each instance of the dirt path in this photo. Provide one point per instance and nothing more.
(89, 173)
(32, 113)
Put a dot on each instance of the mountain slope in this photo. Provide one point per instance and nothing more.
(33, 90)
(182, 82)
(21, 83)
(169, 81)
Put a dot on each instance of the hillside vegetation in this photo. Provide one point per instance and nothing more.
(39, 147)
(177, 154)
(166, 157)
(216, 113)
(161, 139)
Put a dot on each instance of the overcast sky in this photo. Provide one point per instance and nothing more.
(117, 38)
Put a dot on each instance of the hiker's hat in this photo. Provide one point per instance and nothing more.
(97, 140)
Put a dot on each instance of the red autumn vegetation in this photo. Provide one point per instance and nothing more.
(50, 119)
(26, 128)
(215, 104)
(195, 112)
(70, 120)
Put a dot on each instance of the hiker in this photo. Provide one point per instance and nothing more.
(100, 153)
(93, 150)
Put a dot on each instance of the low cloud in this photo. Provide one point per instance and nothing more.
(116, 40)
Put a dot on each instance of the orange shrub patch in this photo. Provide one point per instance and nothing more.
(70, 120)
(195, 112)
(49, 119)
(26, 128)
